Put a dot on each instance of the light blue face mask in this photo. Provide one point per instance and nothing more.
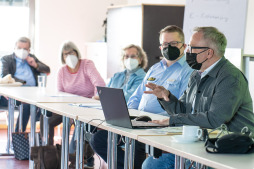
(131, 64)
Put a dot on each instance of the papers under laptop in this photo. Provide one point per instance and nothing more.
(116, 111)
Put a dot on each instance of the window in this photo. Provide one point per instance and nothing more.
(14, 19)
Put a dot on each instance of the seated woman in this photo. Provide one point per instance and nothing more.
(78, 76)
(135, 61)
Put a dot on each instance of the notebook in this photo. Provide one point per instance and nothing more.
(116, 111)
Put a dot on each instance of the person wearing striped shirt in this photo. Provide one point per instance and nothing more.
(77, 76)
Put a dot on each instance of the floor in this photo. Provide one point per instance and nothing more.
(9, 162)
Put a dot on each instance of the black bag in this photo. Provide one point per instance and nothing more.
(20, 142)
(231, 143)
(46, 157)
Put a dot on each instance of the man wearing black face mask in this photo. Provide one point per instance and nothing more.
(172, 72)
(217, 91)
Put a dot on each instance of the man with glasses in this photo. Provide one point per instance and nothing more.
(217, 93)
(25, 68)
(172, 72)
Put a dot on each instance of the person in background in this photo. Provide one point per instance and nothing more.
(77, 76)
(217, 92)
(24, 67)
(135, 61)
(172, 72)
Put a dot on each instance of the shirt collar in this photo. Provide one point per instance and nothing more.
(180, 61)
(138, 71)
(203, 74)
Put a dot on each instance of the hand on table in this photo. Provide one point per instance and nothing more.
(163, 121)
(158, 91)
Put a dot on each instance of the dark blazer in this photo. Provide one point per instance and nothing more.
(221, 97)
(8, 66)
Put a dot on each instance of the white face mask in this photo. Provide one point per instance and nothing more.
(71, 61)
(130, 63)
(21, 53)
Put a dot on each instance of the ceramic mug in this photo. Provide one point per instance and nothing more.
(192, 132)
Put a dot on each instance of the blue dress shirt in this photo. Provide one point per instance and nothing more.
(174, 78)
(134, 81)
(24, 72)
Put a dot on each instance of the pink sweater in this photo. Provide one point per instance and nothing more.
(81, 83)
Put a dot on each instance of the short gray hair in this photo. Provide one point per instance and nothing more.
(24, 40)
(141, 54)
(67, 46)
(214, 38)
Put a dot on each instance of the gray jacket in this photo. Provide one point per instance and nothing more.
(8, 66)
(222, 96)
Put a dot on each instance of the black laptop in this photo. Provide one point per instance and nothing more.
(116, 111)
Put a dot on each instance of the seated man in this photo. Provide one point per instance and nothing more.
(23, 67)
(172, 72)
(217, 92)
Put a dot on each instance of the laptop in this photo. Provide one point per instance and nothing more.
(116, 111)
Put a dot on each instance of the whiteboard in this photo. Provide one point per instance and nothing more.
(229, 16)
(234, 55)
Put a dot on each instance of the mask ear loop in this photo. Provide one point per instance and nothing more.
(181, 48)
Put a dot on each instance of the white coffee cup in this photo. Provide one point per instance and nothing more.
(192, 132)
(41, 81)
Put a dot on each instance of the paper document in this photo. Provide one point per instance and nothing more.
(62, 95)
(88, 105)
(168, 130)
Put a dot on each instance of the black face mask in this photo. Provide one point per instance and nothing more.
(191, 59)
(171, 52)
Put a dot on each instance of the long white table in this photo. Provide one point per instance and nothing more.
(32, 96)
(193, 151)
(68, 111)
(196, 152)
(95, 117)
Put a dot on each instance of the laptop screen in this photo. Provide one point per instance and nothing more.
(114, 106)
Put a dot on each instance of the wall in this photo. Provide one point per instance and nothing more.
(249, 35)
(81, 21)
(77, 20)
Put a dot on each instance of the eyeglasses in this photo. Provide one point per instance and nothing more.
(173, 43)
(130, 56)
(69, 53)
(189, 48)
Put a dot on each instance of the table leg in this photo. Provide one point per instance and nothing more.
(132, 154)
(63, 143)
(82, 142)
(10, 124)
(32, 132)
(147, 149)
(78, 142)
(200, 166)
(182, 163)
(152, 151)
(114, 150)
(20, 117)
(177, 162)
(66, 153)
(109, 158)
(45, 127)
(126, 153)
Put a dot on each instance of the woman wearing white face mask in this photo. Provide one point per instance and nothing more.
(77, 76)
(135, 61)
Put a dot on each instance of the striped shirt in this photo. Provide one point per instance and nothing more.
(83, 82)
